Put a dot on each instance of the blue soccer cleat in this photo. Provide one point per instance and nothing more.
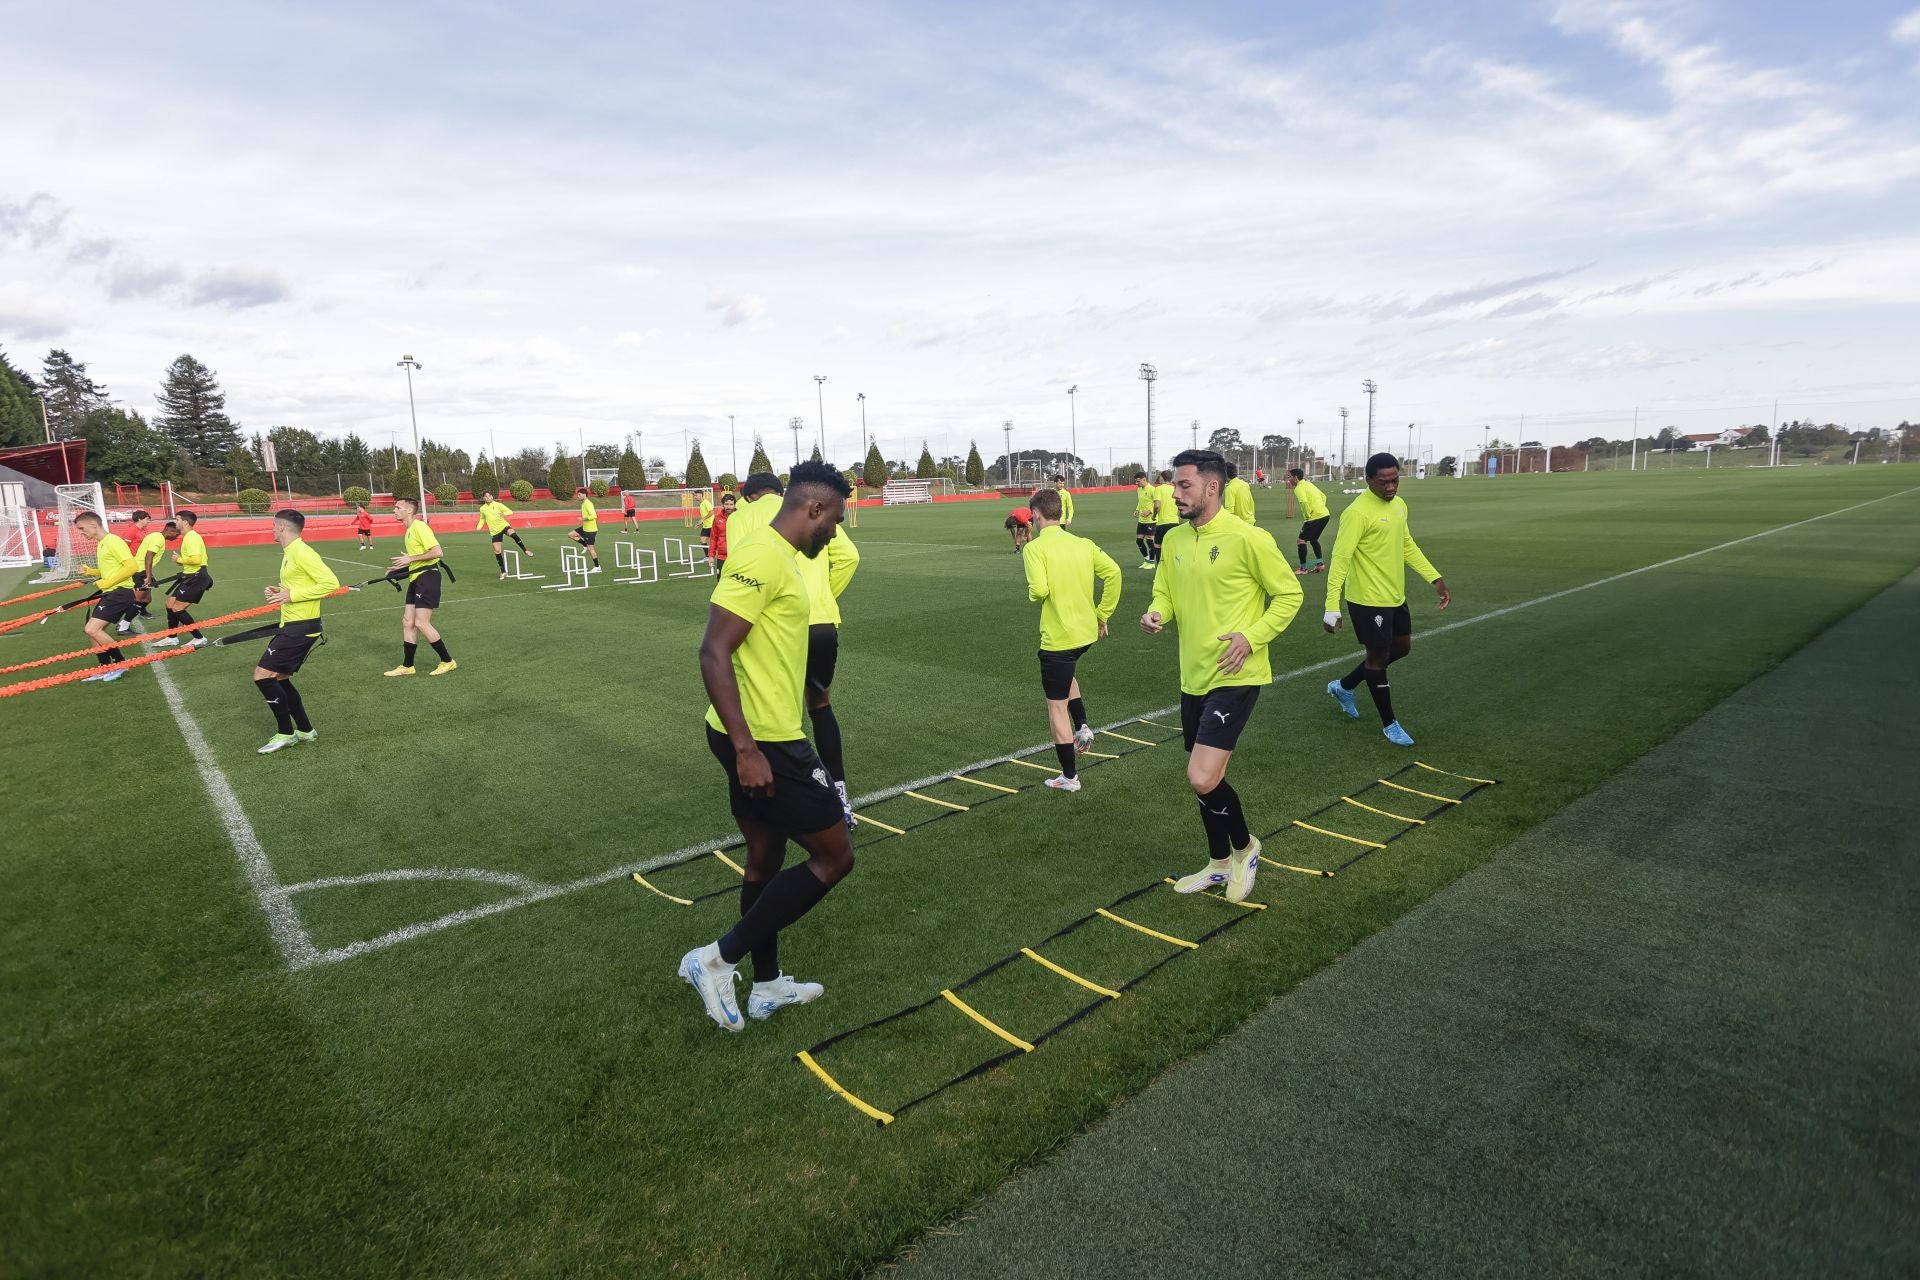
(1396, 735)
(1345, 698)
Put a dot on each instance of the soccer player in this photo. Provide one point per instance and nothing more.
(1373, 549)
(1313, 511)
(706, 523)
(363, 525)
(761, 495)
(146, 564)
(493, 518)
(718, 550)
(1166, 513)
(1066, 498)
(1061, 570)
(753, 660)
(1227, 585)
(1020, 525)
(633, 520)
(1238, 495)
(116, 605)
(305, 580)
(589, 528)
(1145, 497)
(421, 560)
(193, 583)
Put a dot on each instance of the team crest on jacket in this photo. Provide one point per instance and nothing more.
(820, 776)
(1215, 553)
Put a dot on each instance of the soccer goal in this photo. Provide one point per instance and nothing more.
(19, 528)
(901, 492)
(75, 549)
(684, 501)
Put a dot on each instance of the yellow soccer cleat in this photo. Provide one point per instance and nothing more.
(1242, 866)
(398, 671)
(443, 668)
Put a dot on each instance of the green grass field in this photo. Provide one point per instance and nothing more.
(533, 1091)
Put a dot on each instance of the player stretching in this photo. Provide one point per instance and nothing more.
(1237, 497)
(589, 528)
(304, 582)
(721, 519)
(1166, 513)
(193, 583)
(1313, 513)
(1061, 568)
(116, 604)
(706, 523)
(421, 560)
(1145, 496)
(493, 518)
(363, 525)
(1215, 576)
(753, 661)
(1374, 548)
(1020, 525)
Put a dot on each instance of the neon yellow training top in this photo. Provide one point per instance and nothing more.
(1143, 498)
(706, 509)
(749, 517)
(421, 539)
(192, 554)
(1168, 512)
(1061, 568)
(1066, 506)
(493, 516)
(115, 561)
(1215, 580)
(1374, 545)
(1313, 502)
(764, 586)
(308, 581)
(826, 574)
(1237, 498)
(154, 544)
(589, 516)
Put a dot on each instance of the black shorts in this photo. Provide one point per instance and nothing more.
(1376, 625)
(1216, 719)
(1160, 532)
(290, 646)
(823, 654)
(803, 801)
(1312, 529)
(1143, 529)
(586, 538)
(366, 533)
(1056, 671)
(424, 591)
(501, 536)
(191, 587)
(117, 605)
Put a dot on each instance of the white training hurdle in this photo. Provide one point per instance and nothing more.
(512, 558)
(686, 555)
(573, 563)
(644, 564)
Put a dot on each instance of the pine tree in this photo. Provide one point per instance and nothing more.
(484, 480)
(193, 412)
(19, 415)
(924, 469)
(71, 394)
(560, 481)
(875, 473)
(976, 470)
(633, 472)
(698, 477)
(405, 481)
(815, 455)
(761, 463)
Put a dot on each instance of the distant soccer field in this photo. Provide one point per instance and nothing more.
(295, 1021)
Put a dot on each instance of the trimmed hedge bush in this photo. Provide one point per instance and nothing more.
(446, 494)
(600, 489)
(521, 490)
(254, 501)
(356, 495)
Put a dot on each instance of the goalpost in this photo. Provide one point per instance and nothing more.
(74, 548)
(19, 528)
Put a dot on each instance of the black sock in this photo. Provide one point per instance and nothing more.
(826, 740)
(407, 649)
(1316, 550)
(270, 690)
(296, 709)
(500, 558)
(1382, 696)
(766, 956)
(1064, 750)
(1302, 549)
(182, 619)
(110, 657)
(518, 543)
(1215, 823)
(1077, 710)
(1223, 802)
(1354, 678)
(787, 897)
(440, 647)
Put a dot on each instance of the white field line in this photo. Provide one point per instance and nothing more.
(511, 879)
(273, 895)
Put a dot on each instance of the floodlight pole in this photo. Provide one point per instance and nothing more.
(1196, 433)
(733, 447)
(1343, 444)
(796, 423)
(1369, 386)
(1147, 375)
(1073, 430)
(820, 395)
(419, 472)
(861, 396)
(1007, 427)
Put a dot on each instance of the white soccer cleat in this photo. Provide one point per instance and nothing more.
(1061, 782)
(122, 627)
(1083, 740)
(712, 979)
(279, 742)
(768, 998)
(198, 642)
(106, 677)
(1242, 866)
(1212, 876)
(166, 642)
(846, 805)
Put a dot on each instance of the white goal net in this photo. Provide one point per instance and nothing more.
(74, 548)
(686, 502)
(900, 492)
(19, 528)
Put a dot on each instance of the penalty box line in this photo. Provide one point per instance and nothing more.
(451, 920)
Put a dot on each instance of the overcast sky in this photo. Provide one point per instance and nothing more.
(594, 217)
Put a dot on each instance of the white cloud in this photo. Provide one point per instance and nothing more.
(27, 317)
(737, 309)
(1906, 30)
(237, 288)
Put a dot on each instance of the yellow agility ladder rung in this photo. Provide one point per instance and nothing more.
(1428, 795)
(991, 786)
(872, 1113)
(1151, 933)
(1220, 897)
(987, 1022)
(1288, 866)
(1028, 764)
(1099, 755)
(877, 823)
(1156, 724)
(1418, 822)
(642, 882)
(1068, 974)
(944, 804)
(1485, 782)
(1124, 738)
(737, 868)
(1371, 844)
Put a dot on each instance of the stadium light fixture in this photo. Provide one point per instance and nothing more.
(419, 472)
(820, 395)
(1343, 442)
(1148, 374)
(1073, 429)
(1007, 427)
(861, 396)
(796, 423)
(1370, 387)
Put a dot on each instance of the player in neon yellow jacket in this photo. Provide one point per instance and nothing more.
(1062, 569)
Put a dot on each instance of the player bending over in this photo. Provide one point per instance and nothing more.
(1314, 516)
(1370, 558)
(753, 661)
(1020, 525)
(116, 605)
(1226, 584)
(1061, 570)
